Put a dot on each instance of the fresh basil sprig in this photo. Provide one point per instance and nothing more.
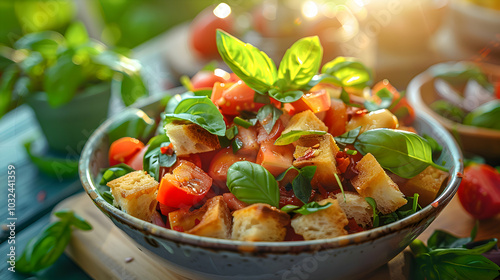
(402, 212)
(252, 183)
(294, 135)
(45, 248)
(153, 158)
(403, 153)
(486, 115)
(449, 257)
(301, 184)
(267, 116)
(298, 66)
(305, 209)
(386, 98)
(113, 172)
(201, 111)
(348, 137)
(460, 72)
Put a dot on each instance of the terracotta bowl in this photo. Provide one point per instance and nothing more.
(474, 140)
(196, 257)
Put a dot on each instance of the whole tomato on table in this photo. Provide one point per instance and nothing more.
(479, 191)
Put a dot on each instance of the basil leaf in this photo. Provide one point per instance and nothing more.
(444, 240)
(466, 267)
(252, 183)
(435, 147)
(448, 110)
(55, 167)
(323, 78)
(135, 124)
(236, 145)
(261, 98)
(116, 171)
(349, 71)
(45, 248)
(344, 96)
(403, 153)
(251, 65)
(282, 175)
(268, 115)
(311, 207)
(132, 88)
(201, 111)
(373, 205)
(294, 135)
(386, 101)
(286, 97)
(348, 137)
(460, 72)
(107, 196)
(154, 159)
(486, 115)
(300, 63)
(302, 183)
(175, 100)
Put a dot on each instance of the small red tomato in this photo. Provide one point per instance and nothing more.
(207, 79)
(316, 101)
(185, 186)
(221, 163)
(479, 191)
(123, 150)
(136, 162)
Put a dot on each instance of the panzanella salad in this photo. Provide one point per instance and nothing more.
(267, 153)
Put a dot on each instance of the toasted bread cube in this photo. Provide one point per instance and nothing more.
(216, 221)
(320, 151)
(305, 120)
(135, 194)
(427, 184)
(191, 138)
(260, 222)
(326, 223)
(372, 181)
(355, 207)
(184, 220)
(382, 118)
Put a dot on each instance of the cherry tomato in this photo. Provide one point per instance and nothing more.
(123, 150)
(479, 191)
(232, 98)
(316, 100)
(137, 161)
(221, 163)
(207, 79)
(187, 185)
(276, 159)
(202, 34)
(263, 136)
(336, 117)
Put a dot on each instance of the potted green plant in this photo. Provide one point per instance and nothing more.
(67, 81)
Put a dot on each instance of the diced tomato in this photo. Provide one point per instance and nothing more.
(276, 159)
(137, 161)
(232, 202)
(342, 163)
(206, 159)
(289, 109)
(221, 163)
(353, 227)
(263, 136)
(124, 149)
(206, 79)
(336, 117)
(187, 185)
(316, 101)
(194, 158)
(288, 197)
(248, 136)
(164, 209)
(232, 98)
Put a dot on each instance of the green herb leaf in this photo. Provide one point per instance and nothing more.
(201, 111)
(56, 167)
(268, 115)
(403, 153)
(435, 147)
(460, 72)
(348, 137)
(175, 100)
(294, 135)
(231, 132)
(114, 172)
(301, 184)
(243, 123)
(340, 185)
(133, 123)
(344, 96)
(289, 208)
(251, 65)
(287, 96)
(373, 204)
(300, 63)
(486, 115)
(154, 159)
(236, 145)
(306, 209)
(386, 101)
(45, 248)
(252, 183)
(349, 71)
(448, 110)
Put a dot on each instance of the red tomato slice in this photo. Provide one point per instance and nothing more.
(316, 101)
(276, 159)
(221, 163)
(336, 117)
(187, 185)
(234, 98)
(123, 150)
(263, 136)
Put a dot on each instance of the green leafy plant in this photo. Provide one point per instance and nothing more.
(45, 248)
(63, 66)
(301, 184)
(486, 115)
(294, 135)
(404, 211)
(449, 257)
(154, 159)
(252, 183)
(305, 209)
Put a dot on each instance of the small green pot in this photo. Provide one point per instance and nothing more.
(68, 127)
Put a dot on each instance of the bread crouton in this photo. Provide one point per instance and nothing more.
(305, 120)
(191, 138)
(356, 207)
(382, 118)
(326, 223)
(320, 151)
(372, 181)
(427, 184)
(211, 220)
(260, 222)
(135, 194)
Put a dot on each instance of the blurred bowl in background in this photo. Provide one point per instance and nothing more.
(480, 141)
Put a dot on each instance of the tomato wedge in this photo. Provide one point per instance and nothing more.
(317, 101)
(232, 98)
(186, 185)
(221, 163)
(123, 150)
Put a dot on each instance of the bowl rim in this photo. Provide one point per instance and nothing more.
(415, 98)
(284, 247)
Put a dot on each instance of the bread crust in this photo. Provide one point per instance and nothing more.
(260, 222)
(191, 138)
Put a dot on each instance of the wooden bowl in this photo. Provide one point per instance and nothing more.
(473, 140)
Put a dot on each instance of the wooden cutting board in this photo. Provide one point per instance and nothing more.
(107, 253)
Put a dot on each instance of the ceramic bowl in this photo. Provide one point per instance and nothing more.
(196, 257)
(473, 140)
